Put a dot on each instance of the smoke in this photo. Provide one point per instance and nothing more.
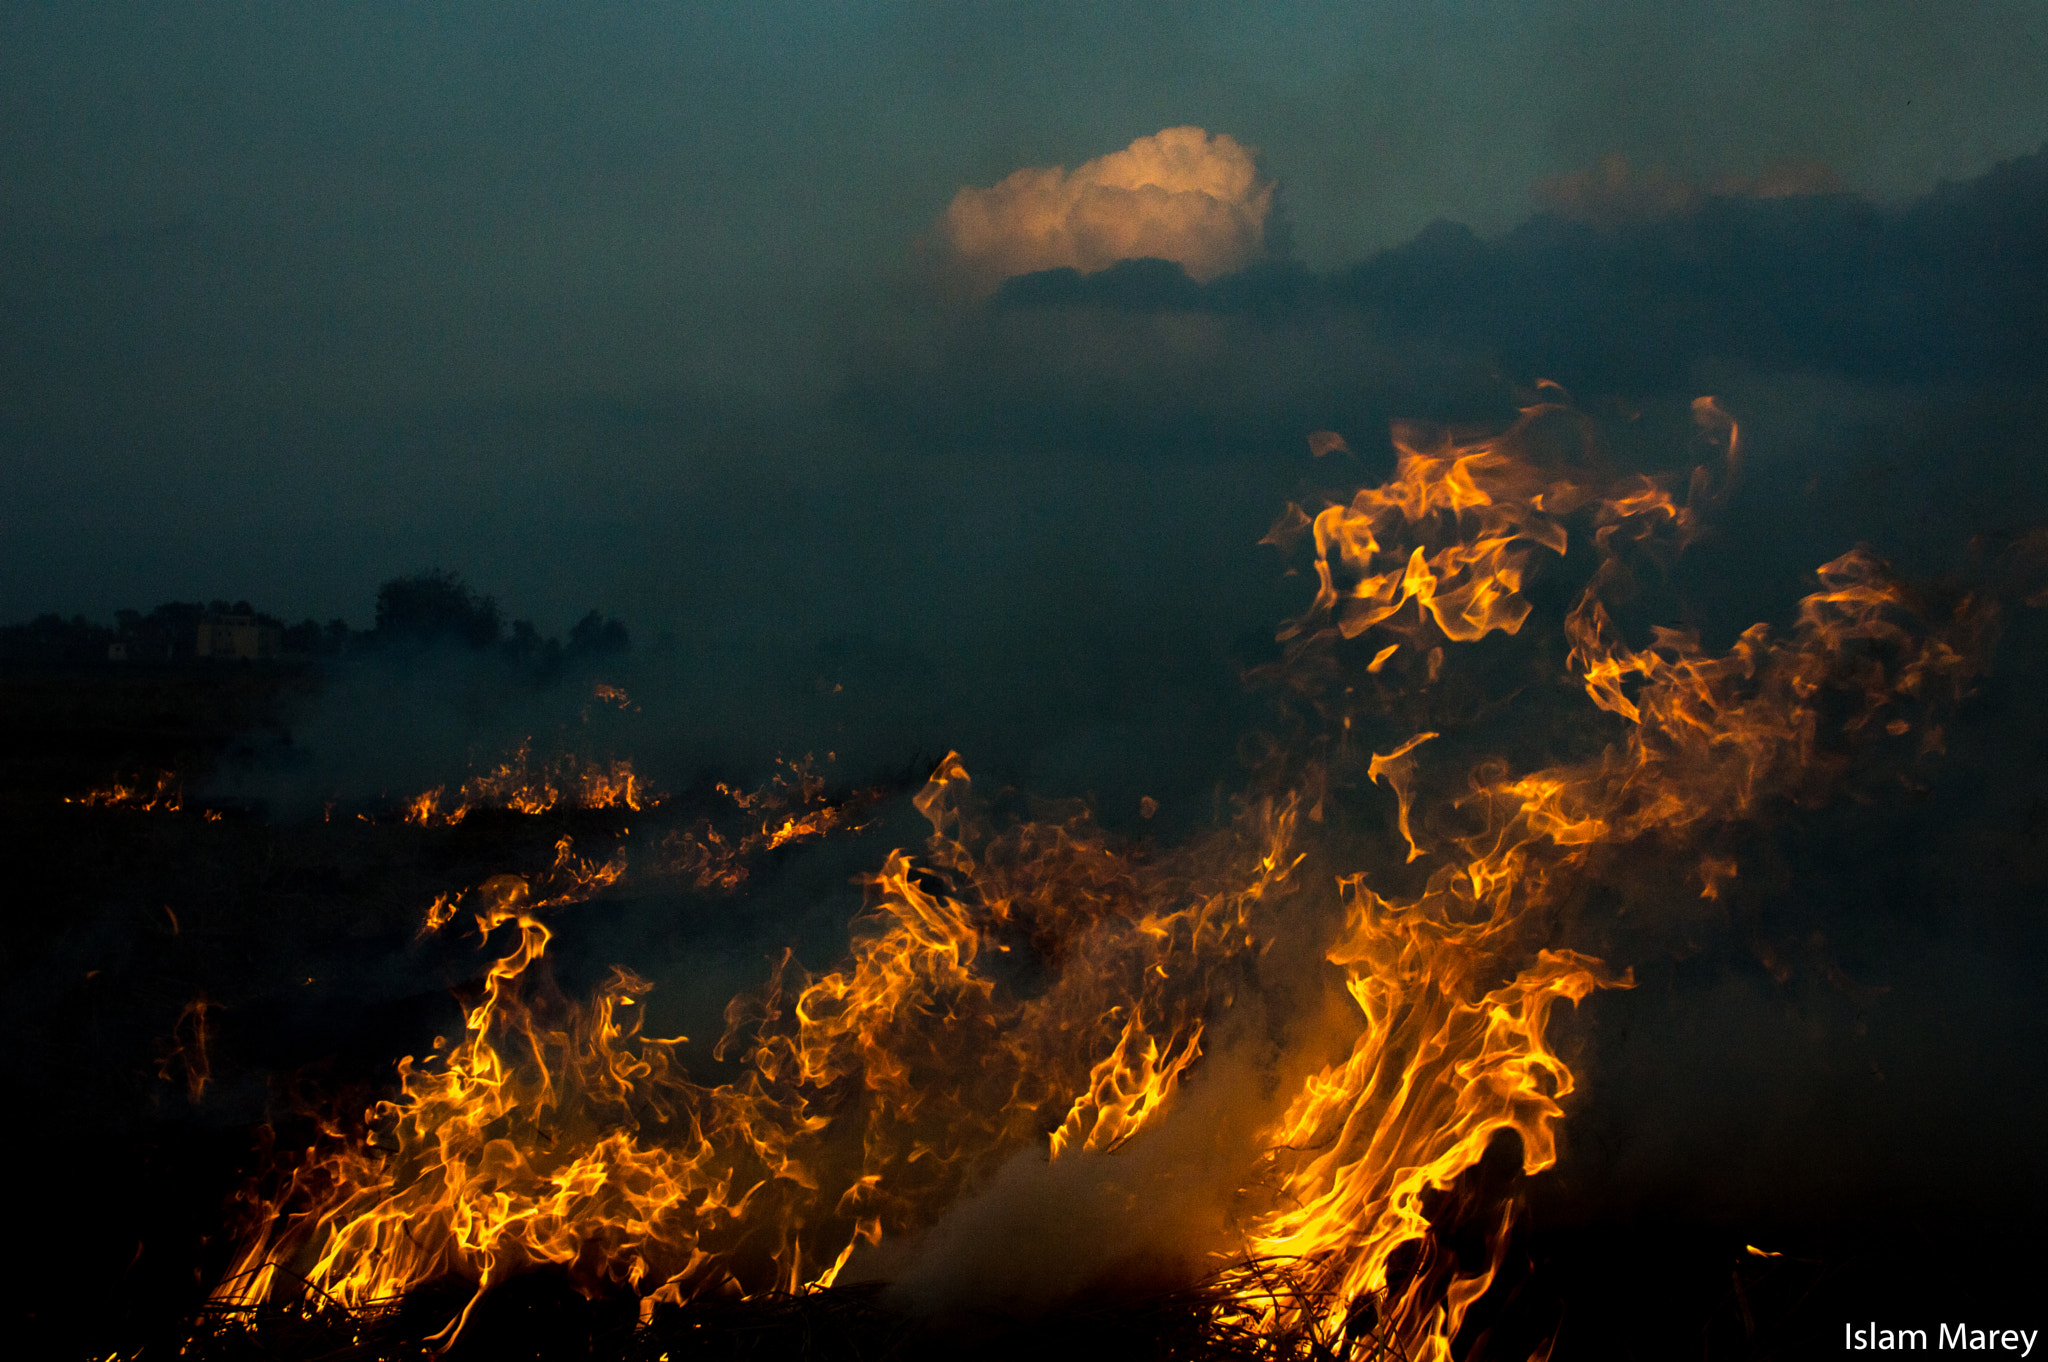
(1181, 195)
(383, 726)
(1614, 193)
(1155, 1212)
(1042, 1232)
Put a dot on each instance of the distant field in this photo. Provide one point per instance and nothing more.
(67, 728)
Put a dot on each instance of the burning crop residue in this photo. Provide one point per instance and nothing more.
(791, 807)
(571, 879)
(521, 784)
(1454, 983)
(155, 792)
(1037, 999)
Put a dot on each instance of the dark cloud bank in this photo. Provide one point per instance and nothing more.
(1947, 290)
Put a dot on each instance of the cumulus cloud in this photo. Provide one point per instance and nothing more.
(1614, 193)
(1180, 194)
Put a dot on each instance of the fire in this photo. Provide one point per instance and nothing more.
(1454, 985)
(522, 785)
(186, 1052)
(571, 879)
(556, 1133)
(161, 792)
(791, 807)
(862, 1103)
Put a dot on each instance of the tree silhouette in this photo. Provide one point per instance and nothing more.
(595, 636)
(433, 607)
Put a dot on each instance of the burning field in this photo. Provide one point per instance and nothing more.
(1290, 1080)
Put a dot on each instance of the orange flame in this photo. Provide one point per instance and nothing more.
(791, 807)
(522, 785)
(868, 1099)
(1445, 1056)
(187, 1051)
(162, 792)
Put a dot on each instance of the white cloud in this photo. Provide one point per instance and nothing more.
(1180, 194)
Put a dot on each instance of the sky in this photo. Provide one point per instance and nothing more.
(296, 298)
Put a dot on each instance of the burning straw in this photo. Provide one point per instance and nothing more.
(1241, 1084)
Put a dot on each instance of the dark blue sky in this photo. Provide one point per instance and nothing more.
(567, 298)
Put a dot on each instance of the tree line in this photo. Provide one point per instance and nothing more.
(427, 611)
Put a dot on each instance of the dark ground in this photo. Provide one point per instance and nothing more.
(301, 936)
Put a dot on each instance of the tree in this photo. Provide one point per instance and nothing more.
(52, 638)
(595, 636)
(433, 607)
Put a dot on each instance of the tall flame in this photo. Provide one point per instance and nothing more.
(864, 1102)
